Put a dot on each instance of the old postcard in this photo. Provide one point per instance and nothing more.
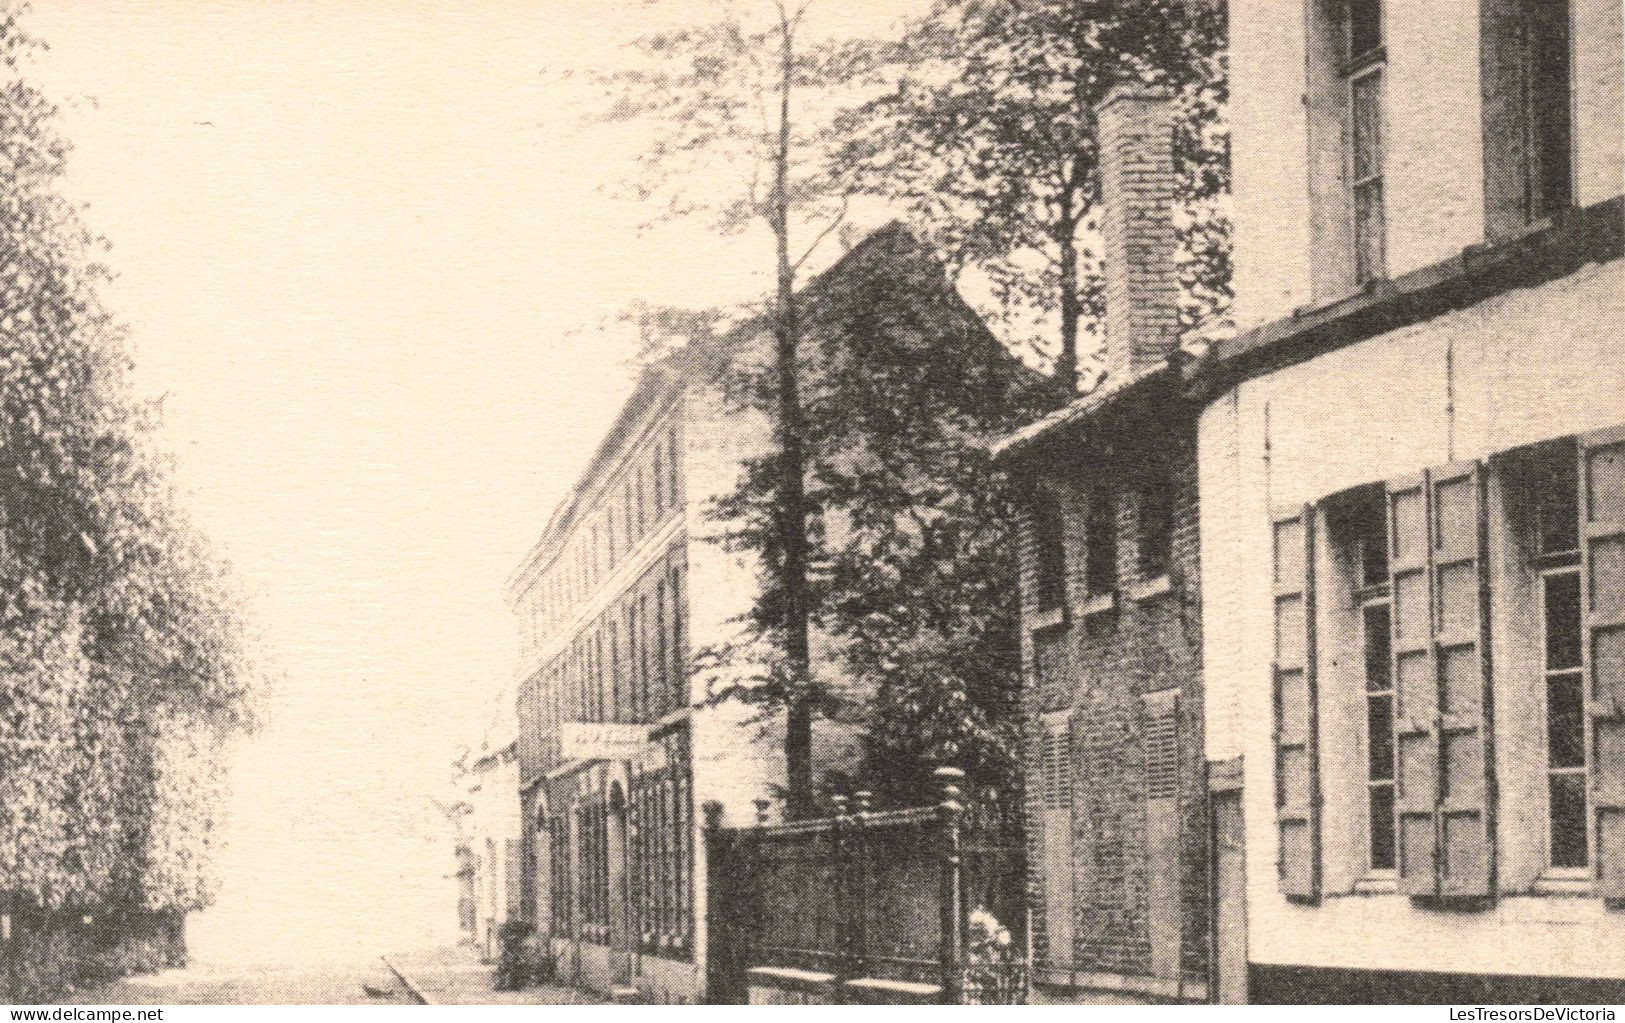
(781, 502)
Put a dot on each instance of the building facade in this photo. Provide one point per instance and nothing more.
(488, 844)
(1412, 482)
(629, 580)
(1111, 621)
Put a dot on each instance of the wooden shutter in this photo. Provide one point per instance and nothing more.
(1297, 781)
(1443, 740)
(1462, 657)
(1602, 548)
(1416, 696)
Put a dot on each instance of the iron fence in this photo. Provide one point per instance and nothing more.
(879, 894)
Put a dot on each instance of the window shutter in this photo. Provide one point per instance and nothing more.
(1297, 782)
(1056, 784)
(1602, 516)
(1440, 586)
(1416, 697)
(1462, 658)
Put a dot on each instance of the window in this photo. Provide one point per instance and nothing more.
(617, 710)
(1557, 530)
(560, 890)
(663, 851)
(660, 641)
(658, 477)
(1156, 528)
(1364, 74)
(1376, 632)
(671, 445)
(679, 670)
(1100, 558)
(1049, 544)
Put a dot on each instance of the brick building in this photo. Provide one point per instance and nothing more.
(1111, 626)
(1412, 493)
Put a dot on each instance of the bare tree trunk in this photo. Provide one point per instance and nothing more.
(1066, 364)
(792, 500)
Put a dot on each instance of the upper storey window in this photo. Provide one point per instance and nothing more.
(1049, 544)
(1363, 69)
(1527, 79)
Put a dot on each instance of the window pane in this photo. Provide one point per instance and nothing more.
(1365, 26)
(1568, 805)
(1557, 500)
(1368, 231)
(1380, 731)
(1565, 721)
(1382, 827)
(1378, 645)
(1365, 101)
(1050, 547)
(1101, 564)
(1562, 621)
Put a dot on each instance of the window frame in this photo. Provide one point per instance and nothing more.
(1357, 68)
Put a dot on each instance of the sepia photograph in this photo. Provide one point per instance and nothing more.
(595, 503)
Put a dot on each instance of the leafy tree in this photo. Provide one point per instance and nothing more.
(737, 98)
(987, 142)
(912, 578)
(122, 640)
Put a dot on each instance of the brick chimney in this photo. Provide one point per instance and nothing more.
(1137, 194)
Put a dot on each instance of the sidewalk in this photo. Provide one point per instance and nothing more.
(455, 976)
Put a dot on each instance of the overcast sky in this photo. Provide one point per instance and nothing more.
(354, 240)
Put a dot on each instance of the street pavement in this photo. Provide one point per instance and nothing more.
(361, 983)
(443, 976)
(455, 976)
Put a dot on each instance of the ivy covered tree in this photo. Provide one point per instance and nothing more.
(917, 582)
(982, 133)
(125, 658)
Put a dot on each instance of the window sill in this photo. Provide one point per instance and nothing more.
(1100, 603)
(1156, 586)
(1047, 619)
(1378, 882)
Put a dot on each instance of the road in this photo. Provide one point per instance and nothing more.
(445, 976)
(350, 984)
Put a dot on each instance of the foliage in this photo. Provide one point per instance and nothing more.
(913, 566)
(124, 655)
(994, 963)
(730, 96)
(518, 964)
(987, 142)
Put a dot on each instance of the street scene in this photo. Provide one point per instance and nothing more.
(798, 502)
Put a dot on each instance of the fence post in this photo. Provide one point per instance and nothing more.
(860, 936)
(843, 852)
(951, 894)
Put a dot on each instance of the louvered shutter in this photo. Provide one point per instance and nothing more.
(1416, 697)
(1602, 516)
(1297, 783)
(1437, 536)
(1462, 658)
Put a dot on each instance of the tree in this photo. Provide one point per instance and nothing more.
(722, 96)
(987, 142)
(123, 641)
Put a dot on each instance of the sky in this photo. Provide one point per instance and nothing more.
(357, 244)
